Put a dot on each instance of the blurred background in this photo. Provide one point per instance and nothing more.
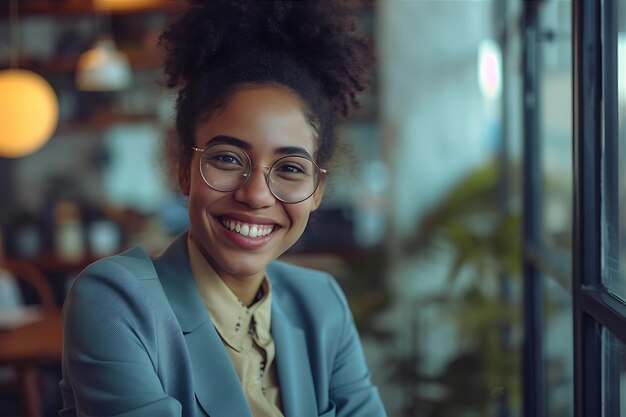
(421, 223)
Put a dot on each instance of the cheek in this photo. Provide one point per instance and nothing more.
(299, 215)
(200, 197)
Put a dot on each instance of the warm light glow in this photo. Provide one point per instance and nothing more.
(29, 112)
(108, 5)
(489, 69)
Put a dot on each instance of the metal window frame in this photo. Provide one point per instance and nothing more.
(533, 358)
(594, 25)
(595, 127)
(606, 308)
(587, 66)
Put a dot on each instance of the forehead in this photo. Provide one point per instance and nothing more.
(266, 117)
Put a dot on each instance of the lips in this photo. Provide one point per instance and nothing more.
(251, 230)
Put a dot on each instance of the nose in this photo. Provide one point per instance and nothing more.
(255, 193)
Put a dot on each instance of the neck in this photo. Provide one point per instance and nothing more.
(244, 288)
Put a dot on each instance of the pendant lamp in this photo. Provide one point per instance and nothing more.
(103, 68)
(29, 112)
(29, 108)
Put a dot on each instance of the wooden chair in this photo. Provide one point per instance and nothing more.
(27, 348)
(23, 270)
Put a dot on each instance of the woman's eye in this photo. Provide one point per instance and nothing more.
(291, 169)
(227, 160)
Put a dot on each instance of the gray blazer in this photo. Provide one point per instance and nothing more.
(140, 342)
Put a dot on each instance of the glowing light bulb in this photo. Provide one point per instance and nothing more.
(29, 112)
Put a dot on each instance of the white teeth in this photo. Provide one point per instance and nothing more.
(250, 230)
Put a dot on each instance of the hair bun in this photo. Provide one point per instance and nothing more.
(320, 35)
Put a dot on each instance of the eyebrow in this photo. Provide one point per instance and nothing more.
(229, 140)
(284, 150)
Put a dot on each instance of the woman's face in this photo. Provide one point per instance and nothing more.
(268, 121)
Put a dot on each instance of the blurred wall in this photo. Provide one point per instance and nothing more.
(436, 128)
(433, 111)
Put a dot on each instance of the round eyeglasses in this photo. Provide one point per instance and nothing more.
(291, 179)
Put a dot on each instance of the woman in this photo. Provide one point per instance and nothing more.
(215, 325)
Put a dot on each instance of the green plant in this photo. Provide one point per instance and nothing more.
(483, 235)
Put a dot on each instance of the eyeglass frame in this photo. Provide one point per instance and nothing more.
(247, 175)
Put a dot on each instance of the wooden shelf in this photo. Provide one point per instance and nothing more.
(139, 60)
(103, 120)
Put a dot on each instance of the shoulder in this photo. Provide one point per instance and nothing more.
(115, 306)
(133, 264)
(112, 282)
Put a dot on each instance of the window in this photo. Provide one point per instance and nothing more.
(586, 259)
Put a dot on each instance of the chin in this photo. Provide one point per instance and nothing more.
(241, 265)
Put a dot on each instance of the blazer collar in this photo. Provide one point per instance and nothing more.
(293, 363)
(218, 389)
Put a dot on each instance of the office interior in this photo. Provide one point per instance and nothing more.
(475, 214)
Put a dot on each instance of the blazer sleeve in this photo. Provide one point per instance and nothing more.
(351, 390)
(109, 359)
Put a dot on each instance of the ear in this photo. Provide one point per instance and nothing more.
(316, 198)
(184, 179)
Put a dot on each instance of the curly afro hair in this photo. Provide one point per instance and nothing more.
(310, 47)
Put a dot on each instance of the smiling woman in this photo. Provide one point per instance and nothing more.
(269, 122)
(215, 326)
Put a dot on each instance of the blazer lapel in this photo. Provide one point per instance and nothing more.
(294, 370)
(218, 389)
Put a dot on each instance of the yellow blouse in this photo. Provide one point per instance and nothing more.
(245, 332)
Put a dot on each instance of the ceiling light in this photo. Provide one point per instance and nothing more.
(29, 108)
(103, 68)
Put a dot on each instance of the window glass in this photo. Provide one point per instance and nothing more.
(614, 171)
(555, 123)
(559, 351)
(613, 375)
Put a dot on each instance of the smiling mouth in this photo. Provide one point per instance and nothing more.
(247, 229)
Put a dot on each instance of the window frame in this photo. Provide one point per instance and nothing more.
(594, 64)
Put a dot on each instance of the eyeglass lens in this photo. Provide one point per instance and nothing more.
(291, 178)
